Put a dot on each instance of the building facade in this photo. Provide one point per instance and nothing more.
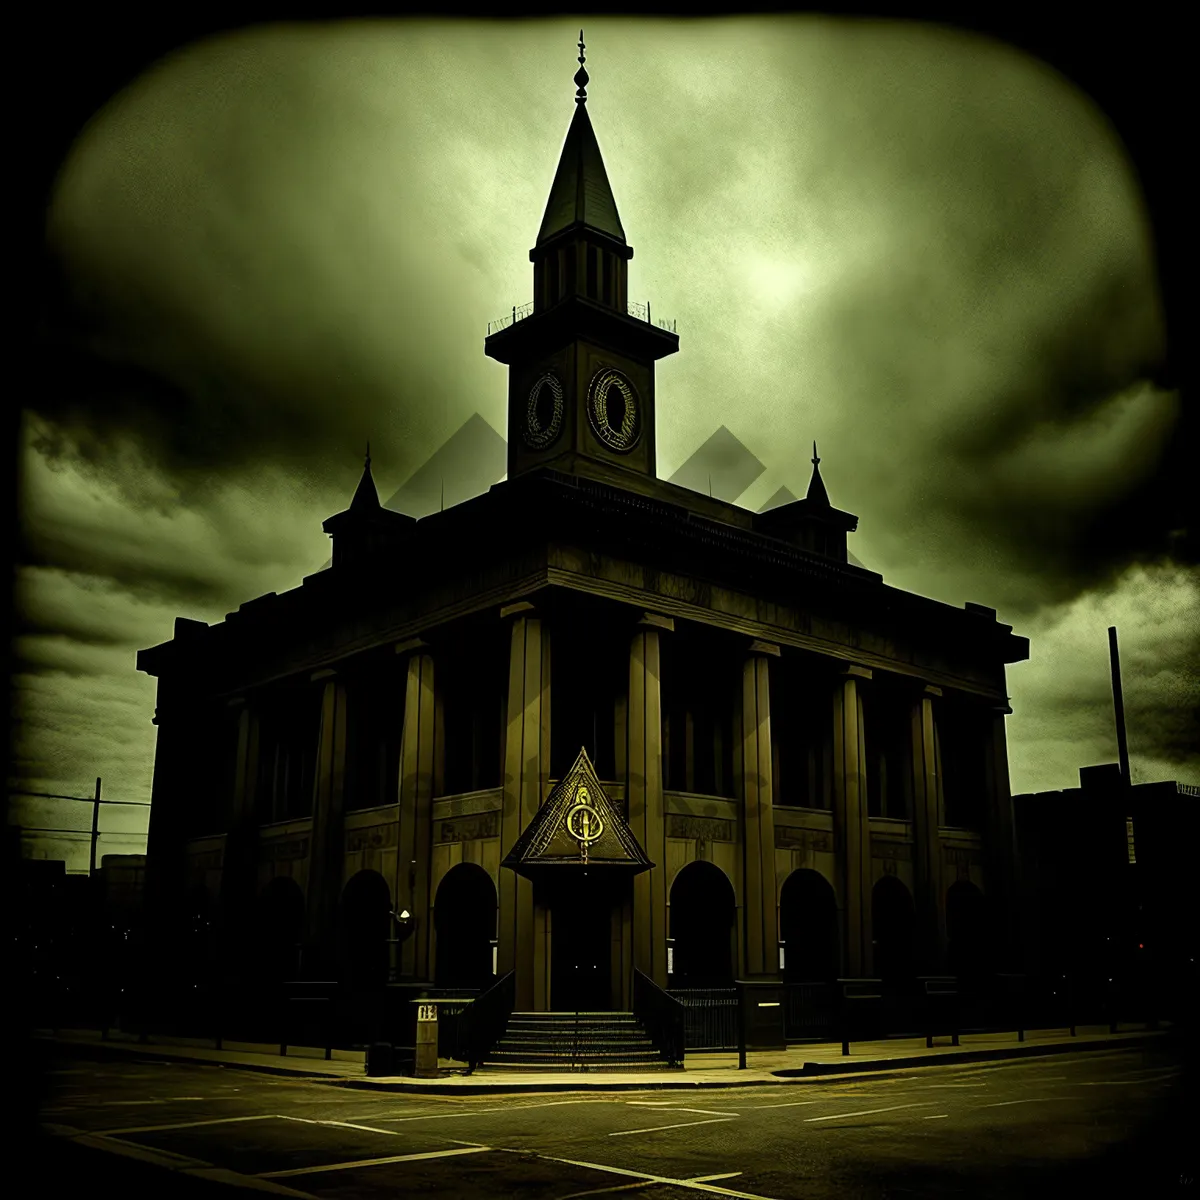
(799, 770)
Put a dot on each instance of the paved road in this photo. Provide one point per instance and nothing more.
(1037, 1126)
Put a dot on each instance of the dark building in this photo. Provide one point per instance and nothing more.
(1107, 908)
(787, 765)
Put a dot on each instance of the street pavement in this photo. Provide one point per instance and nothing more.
(1051, 1125)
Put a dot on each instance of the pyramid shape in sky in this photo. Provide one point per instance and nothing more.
(475, 457)
(465, 466)
(721, 467)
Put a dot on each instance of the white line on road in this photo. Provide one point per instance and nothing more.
(340, 1125)
(789, 1104)
(870, 1112)
(681, 1125)
(704, 1112)
(956, 1085)
(369, 1162)
(1030, 1100)
(683, 1183)
(937, 1117)
(714, 1178)
(186, 1125)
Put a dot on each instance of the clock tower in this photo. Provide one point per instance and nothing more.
(581, 366)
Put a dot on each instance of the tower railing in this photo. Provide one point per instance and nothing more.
(640, 312)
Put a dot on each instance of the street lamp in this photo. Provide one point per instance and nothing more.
(403, 923)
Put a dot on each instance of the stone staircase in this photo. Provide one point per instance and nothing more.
(565, 1041)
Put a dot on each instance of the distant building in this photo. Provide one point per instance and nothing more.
(588, 723)
(1106, 890)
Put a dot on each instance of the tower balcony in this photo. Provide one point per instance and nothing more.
(639, 312)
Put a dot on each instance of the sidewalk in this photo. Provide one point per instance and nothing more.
(796, 1064)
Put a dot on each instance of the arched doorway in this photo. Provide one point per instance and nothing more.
(966, 930)
(893, 923)
(808, 928)
(702, 911)
(279, 930)
(365, 911)
(464, 917)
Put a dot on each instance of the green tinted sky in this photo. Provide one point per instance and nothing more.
(918, 247)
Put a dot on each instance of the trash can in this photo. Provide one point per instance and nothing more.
(381, 1059)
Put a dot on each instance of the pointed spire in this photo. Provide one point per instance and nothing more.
(365, 495)
(581, 76)
(581, 194)
(816, 485)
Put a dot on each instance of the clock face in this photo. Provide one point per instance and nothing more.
(544, 412)
(613, 410)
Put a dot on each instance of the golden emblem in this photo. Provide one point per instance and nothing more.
(583, 822)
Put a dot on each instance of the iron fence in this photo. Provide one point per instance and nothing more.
(709, 1017)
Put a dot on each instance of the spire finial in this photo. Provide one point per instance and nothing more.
(815, 459)
(367, 464)
(581, 76)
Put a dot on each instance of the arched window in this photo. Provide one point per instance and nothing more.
(968, 940)
(365, 913)
(279, 930)
(464, 916)
(808, 928)
(893, 922)
(702, 912)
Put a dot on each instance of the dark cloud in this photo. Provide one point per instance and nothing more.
(924, 250)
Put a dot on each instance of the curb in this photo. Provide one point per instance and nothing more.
(967, 1056)
(812, 1072)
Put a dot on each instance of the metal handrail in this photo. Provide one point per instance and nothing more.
(661, 1015)
(485, 1019)
(640, 312)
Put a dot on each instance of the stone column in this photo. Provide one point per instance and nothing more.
(999, 845)
(524, 927)
(239, 859)
(644, 796)
(927, 843)
(851, 824)
(753, 771)
(176, 752)
(415, 797)
(327, 847)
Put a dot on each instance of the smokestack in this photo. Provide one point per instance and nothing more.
(1119, 705)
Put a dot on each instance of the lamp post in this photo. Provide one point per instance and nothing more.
(403, 923)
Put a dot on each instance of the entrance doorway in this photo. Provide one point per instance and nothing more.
(581, 948)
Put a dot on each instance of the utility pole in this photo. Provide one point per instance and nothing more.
(1118, 704)
(95, 830)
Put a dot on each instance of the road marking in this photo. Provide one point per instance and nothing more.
(704, 1112)
(186, 1125)
(1031, 1100)
(789, 1104)
(714, 1178)
(955, 1085)
(128, 1103)
(870, 1112)
(938, 1117)
(370, 1162)
(341, 1125)
(695, 1185)
(681, 1125)
(480, 1112)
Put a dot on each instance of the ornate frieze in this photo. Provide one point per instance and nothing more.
(702, 829)
(796, 837)
(892, 851)
(373, 837)
(467, 828)
(283, 850)
(205, 860)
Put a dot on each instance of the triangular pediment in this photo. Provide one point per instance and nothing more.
(578, 826)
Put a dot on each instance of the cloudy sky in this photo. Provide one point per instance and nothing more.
(921, 248)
